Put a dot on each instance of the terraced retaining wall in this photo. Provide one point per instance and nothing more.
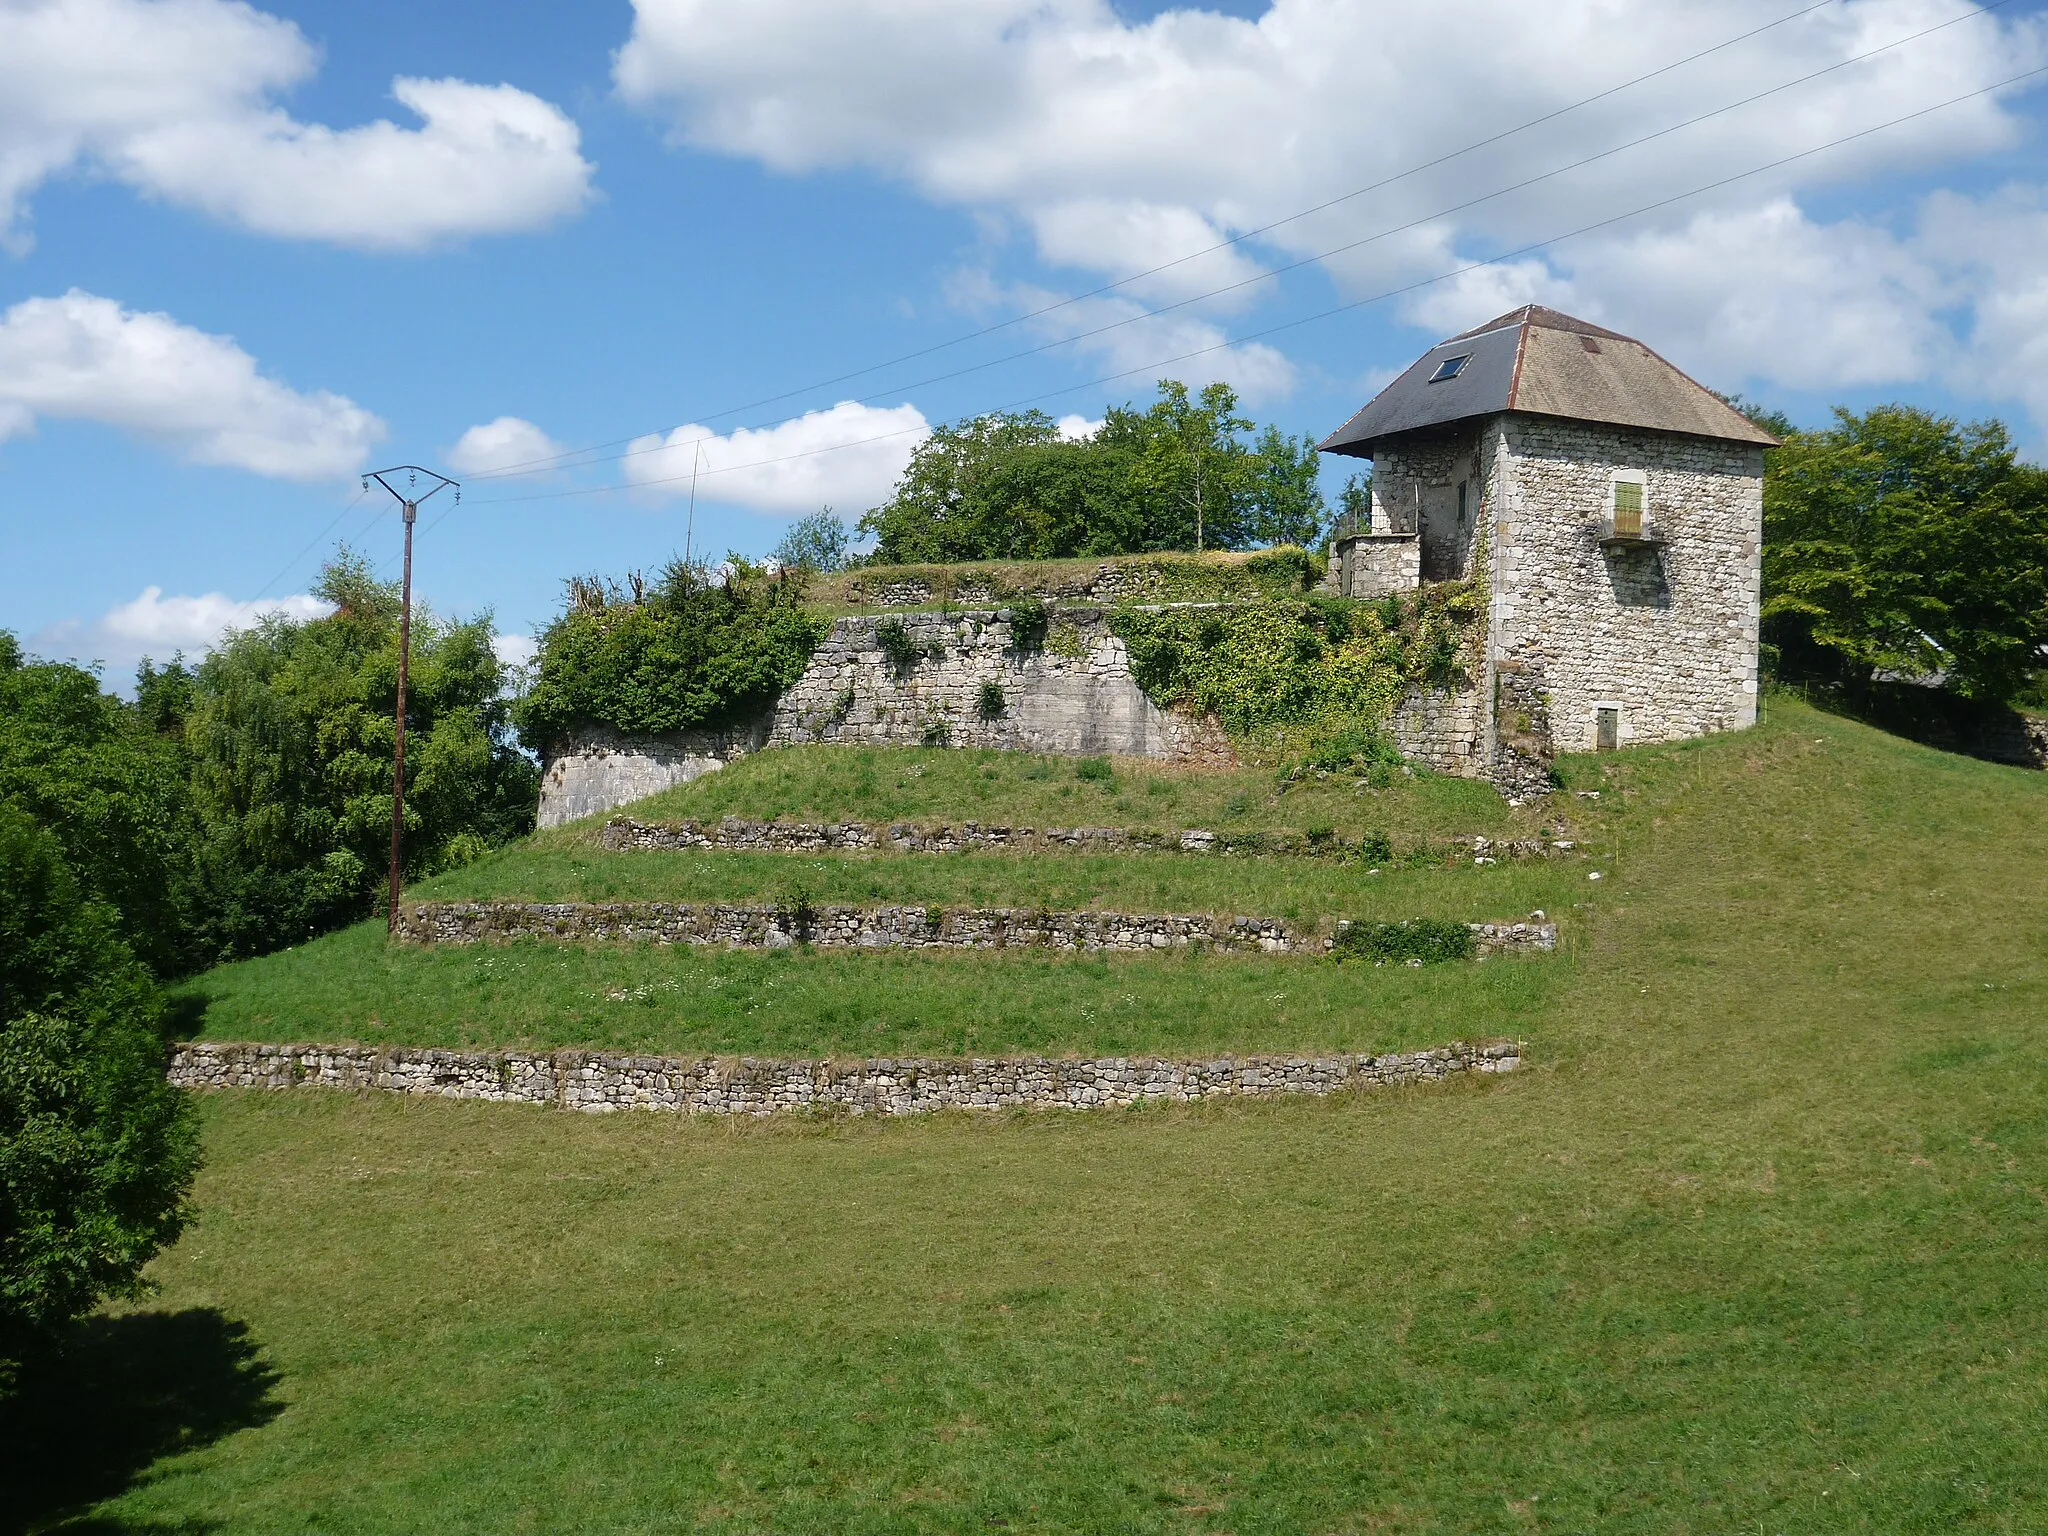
(624, 834)
(739, 926)
(599, 1083)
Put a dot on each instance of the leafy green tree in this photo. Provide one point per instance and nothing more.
(289, 726)
(97, 1151)
(113, 792)
(1900, 542)
(1177, 475)
(1189, 463)
(693, 651)
(817, 541)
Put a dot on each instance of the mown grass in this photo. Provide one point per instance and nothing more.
(1756, 1244)
(1302, 890)
(687, 1001)
(937, 784)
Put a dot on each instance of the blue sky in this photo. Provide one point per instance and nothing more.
(225, 291)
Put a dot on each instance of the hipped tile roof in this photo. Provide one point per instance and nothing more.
(1547, 364)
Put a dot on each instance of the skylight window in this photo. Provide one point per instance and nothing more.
(1450, 367)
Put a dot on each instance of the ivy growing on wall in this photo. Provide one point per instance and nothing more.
(1307, 668)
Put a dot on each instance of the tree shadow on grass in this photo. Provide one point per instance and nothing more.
(87, 1423)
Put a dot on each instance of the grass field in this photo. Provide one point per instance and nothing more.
(934, 784)
(1757, 1242)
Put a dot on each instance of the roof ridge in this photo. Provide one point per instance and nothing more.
(1540, 315)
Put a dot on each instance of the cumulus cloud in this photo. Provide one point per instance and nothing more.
(86, 358)
(157, 626)
(848, 456)
(1122, 144)
(1078, 429)
(177, 98)
(507, 443)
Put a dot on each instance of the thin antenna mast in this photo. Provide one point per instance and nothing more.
(410, 504)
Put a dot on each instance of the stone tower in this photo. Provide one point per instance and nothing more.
(1613, 510)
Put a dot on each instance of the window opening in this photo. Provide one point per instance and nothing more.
(1461, 501)
(1589, 344)
(1628, 509)
(1450, 368)
(1606, 728)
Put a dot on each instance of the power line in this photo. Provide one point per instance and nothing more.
(514, 472)
(1324, 314)
(561, 459)
(295, 559)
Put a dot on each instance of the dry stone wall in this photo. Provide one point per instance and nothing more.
(624, 834)
(599, 1083)
(737, 925)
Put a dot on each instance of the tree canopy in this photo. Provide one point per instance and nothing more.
(97, 1150)
(1899, 542)
(1178, 475)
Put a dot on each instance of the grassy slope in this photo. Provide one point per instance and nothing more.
(350, 986)
(1756, 1245)
(933, 784)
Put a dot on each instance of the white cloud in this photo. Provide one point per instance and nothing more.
(160, 627)
(1120, 144)
(1078, 429)
(515, 651)
(176, 98)
(507, 443)
(86, 358)
(848, 456)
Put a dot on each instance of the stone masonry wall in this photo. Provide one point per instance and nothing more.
(1668, 634)
(1371, 565)
(600, 1083)
(601, 769)
(1084, 702)
(624, 834)
(743, 926)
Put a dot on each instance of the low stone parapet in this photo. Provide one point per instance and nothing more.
(625, 834)
(740, 926)
(597, 1082)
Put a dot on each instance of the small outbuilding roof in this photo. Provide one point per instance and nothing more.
(1548, 364)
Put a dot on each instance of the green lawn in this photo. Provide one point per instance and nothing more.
(1757, 1242)
(1302, 890)
(937, 784)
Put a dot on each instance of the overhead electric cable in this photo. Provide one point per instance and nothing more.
(295, 559)
(1324, 314)
(562, 459)
(514, 472)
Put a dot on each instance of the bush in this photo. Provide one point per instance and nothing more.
(900, 651)
(1029, 619)
(691, 652)
(990, 704)
(1306, 669)
(97, 1151)
(1098, 769)
(1427, 940)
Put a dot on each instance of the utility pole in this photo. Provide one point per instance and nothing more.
(409, 503)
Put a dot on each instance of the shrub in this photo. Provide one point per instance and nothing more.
(1065, 641)
(900, 651)
(1098, 769)
(1029, 617)
(692, 651)
(97, 1151)
(1425, 939)
(990, 704)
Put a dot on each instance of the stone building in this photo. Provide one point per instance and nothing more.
(1613, 510)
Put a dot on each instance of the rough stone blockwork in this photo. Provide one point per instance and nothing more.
(763, 927)
(596, 1083)
(625, 834)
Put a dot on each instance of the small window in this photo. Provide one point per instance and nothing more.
(1606, 728)
(1628, 509)
(1461, 501)
(1589, 344)
(1450, 368)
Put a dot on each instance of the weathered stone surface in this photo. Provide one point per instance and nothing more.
(624, 833)
(598, 1082)
(602, 769)
(742, 926)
